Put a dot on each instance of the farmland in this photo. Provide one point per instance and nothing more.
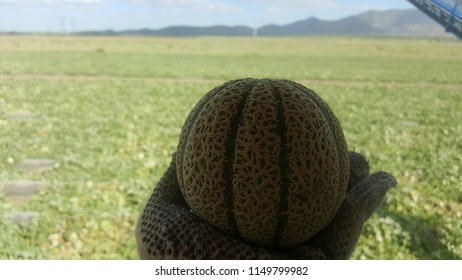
(108, 111)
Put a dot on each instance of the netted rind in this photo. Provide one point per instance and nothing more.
(265, 160)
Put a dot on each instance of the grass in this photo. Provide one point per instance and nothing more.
(110, 110)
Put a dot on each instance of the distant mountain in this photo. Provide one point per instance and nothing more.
(404, 23)
(313, 26)
(410, 22)
(218, 30)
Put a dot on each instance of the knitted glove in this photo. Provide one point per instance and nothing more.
(167, 229)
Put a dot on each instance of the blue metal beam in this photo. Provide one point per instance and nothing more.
(447, 14)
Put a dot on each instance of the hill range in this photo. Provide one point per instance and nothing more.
(406, 23)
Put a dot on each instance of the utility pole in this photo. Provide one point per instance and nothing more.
(62, 21)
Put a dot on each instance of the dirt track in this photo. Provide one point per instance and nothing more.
(58, 77)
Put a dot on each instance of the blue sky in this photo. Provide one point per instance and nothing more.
(78, 15)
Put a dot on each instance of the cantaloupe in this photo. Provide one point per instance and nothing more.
(263, 160)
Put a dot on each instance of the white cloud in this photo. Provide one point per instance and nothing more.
(198, 5)
(279, 11)
(64, 2)
(315, 4)
(50, 2)
(81, 1)
(364, 8)
(75, 1)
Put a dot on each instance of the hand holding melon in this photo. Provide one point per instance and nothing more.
(264, 168)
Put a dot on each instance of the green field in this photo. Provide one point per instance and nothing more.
(109, 111)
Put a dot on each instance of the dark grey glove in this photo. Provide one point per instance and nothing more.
(167, 229)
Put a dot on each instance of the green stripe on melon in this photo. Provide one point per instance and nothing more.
(264, 160)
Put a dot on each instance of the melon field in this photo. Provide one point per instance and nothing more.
(104, 115)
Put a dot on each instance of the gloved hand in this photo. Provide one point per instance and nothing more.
(167, 229)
